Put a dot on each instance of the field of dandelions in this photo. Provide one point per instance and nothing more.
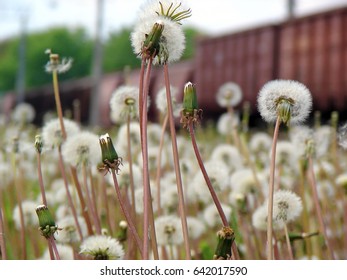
(179, 188)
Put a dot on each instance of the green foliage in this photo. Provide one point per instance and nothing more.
(118, 52)
(65, 42)
(74, 43)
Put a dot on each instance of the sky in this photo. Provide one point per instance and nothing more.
(214, 17)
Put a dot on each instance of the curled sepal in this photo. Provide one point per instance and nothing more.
(109, 156)
(47, 224)
(151, 45)
(225, 240)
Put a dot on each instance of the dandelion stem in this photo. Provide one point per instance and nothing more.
(58, 103)
(73, 209)
(161, 145)
(312, 180)
(2, 238)
(269, 246)
(51, 241)
(176, 163)
(148, 219)
(81, 199)
(89, 201)
(126, 213)
(206, 177)
(289, 246)
(42, 187)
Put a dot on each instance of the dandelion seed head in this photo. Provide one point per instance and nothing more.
(169, 230)
(212, 217)
(124, 103)
(172, 41)
(287, 206)
(52, 135)
(23, 113)
(82, 149)
(291, 92)
(226, 123)
(102, 247)
(69, 233)
(229, 95)
(259, 219)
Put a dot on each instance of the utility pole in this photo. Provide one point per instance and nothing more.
(94, 112)
(20, 80)
(291, 9)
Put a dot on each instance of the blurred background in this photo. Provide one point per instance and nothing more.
(245, 41)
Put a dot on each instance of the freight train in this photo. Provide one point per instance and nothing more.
(310, 49)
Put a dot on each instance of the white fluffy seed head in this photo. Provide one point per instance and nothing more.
(124, 102)
(296, 93)
(172, 39)
(229, 95)
(287, 206)
(82, 148)
(169, 230)
(23, 113)
(102, 247)
(52, 135)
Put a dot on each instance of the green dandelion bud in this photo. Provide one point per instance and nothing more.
(151, 45)
(38, 143)
(225, 240)
(190, 112)
(110, 158)
(46, 221)
(107, 149)
(190, 100)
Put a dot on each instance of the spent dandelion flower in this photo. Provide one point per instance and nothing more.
(52, 135)
(229, 155)
(69, 232)
(55, 64)
(227, 122)
(290, 100)
(102, 247)
(124, 103)
(287, 206)
(82, 149)
(23, 113)
(211, 216)
(169, 230)
(229, 94)
(259, 219)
